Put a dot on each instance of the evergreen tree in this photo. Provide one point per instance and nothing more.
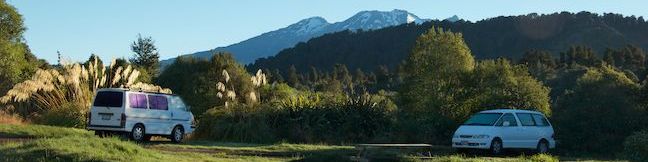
(293, 77)
(276, 76)
(146, 55)
(314, 74)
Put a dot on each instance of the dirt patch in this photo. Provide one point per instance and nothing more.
(226, 151)
(5, 140)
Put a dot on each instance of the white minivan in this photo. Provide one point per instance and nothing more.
(140, 114)
(500, 129)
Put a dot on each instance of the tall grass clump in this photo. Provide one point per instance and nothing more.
(63, 97)
(7, 118)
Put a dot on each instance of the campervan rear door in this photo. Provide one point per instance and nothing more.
(107, 108)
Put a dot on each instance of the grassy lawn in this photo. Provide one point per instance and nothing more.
(40, 131)
(49, 143)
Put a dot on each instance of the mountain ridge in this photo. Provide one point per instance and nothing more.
(270, 43)
(498, 37)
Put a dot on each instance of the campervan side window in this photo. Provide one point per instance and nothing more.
(158, 102)
(137, 101)
(109, 99)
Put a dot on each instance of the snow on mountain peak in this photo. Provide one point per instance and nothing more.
(309, 25)
(378, 19)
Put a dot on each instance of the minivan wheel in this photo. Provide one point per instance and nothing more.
(177, 134)
(138, 133)
(496, 147)
(543, 147)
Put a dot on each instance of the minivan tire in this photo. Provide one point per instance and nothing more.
(138, 134)
(177, 134)
(543, 147)
(496, 147)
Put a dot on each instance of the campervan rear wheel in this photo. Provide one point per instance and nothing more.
(177, 134)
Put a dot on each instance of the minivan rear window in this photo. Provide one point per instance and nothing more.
(540, 120)
(526, 119)
(109, 99)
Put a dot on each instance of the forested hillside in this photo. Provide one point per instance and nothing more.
(504, 36)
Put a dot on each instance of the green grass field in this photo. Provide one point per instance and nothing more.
(47, 143)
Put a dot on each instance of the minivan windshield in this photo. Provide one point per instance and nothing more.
(485, 119)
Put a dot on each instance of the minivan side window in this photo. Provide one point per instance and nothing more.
(507, 117)
(540, 120)
(158, 102)
(137, 101)
(109, 99)
(526, 119)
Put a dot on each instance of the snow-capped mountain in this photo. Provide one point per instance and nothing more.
(271, 43)
(376, 20)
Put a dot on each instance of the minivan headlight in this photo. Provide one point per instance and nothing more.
(481, 136)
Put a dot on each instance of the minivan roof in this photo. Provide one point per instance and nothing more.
(131, 90)
(508, 110)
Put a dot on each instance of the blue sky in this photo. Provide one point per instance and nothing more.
(78, 28)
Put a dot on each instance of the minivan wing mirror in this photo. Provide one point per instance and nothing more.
(506, 123)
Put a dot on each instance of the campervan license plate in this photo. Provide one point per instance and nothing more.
(105, 116)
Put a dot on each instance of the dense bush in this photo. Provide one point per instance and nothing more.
(358, 119)
(236, 122)
(302, 119)
(636, 146)
(598, 112)
(67, 115)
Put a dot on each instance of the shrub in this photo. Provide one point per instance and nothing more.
(300, 119)
(603, 96)
(236, 122)
(67, 115)
(636, 146)
(306, 119)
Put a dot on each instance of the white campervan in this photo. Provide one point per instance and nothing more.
(500, 129)
(139, 114)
